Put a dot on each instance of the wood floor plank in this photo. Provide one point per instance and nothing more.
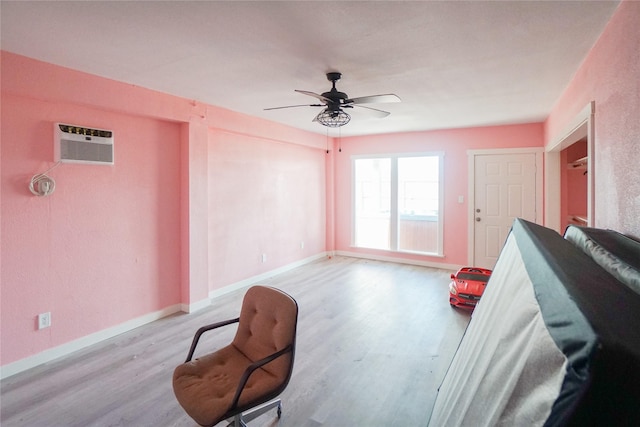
(374, 342)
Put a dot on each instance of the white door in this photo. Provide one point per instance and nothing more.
(504, 189)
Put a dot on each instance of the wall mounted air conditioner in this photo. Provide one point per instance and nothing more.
(78, 144)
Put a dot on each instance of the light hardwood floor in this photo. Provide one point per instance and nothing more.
(374, 342)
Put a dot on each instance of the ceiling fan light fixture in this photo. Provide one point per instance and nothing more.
(332, 119)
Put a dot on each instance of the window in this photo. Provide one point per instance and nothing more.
(398, 203)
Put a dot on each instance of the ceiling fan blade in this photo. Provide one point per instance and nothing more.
(379, 113)
(315, 95)
(292, 106)
(389, 97)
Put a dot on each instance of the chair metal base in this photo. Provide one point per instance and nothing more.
(240, 420)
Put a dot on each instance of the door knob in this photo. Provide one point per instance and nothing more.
(478, 219)
(478, 210)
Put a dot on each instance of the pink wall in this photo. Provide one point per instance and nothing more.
(610, 76)
(454, 143)
(117, 243)
(100, 250)
(265, 198)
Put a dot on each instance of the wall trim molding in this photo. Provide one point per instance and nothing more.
(86, 341)
(54, 353)
(439, 265)
(196, 306)
(263, 276)
(51, 354)
(582, 125)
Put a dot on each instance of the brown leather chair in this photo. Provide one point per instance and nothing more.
(247, 374)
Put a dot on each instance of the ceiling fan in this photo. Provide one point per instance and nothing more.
(333, 115)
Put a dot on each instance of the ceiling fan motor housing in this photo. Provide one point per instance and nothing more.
(337, 98)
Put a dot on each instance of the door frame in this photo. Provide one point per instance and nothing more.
(471, 157)
(582, 125)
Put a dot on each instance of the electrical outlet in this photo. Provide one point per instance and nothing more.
(301, 244)
(44, 320)
(264, 257)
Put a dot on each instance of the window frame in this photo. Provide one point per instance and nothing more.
(394, 216)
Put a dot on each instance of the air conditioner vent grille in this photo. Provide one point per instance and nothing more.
(85, 151)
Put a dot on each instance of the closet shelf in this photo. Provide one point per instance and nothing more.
(578, 220)
(579, 163)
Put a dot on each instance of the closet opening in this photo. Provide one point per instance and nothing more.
(569, 175)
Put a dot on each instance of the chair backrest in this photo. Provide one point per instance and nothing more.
(268, 321)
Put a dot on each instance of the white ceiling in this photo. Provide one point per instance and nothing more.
(453, 64)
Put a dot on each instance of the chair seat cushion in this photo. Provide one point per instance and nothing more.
(205, 387)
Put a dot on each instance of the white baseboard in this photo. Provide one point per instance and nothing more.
(255, 279)
(70, 347)
(192, 308)
(440, 265)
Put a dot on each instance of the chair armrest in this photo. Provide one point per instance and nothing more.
(204, 329)
(255, 365)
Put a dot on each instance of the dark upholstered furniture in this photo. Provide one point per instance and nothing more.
(555, 339)
(248, 373)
